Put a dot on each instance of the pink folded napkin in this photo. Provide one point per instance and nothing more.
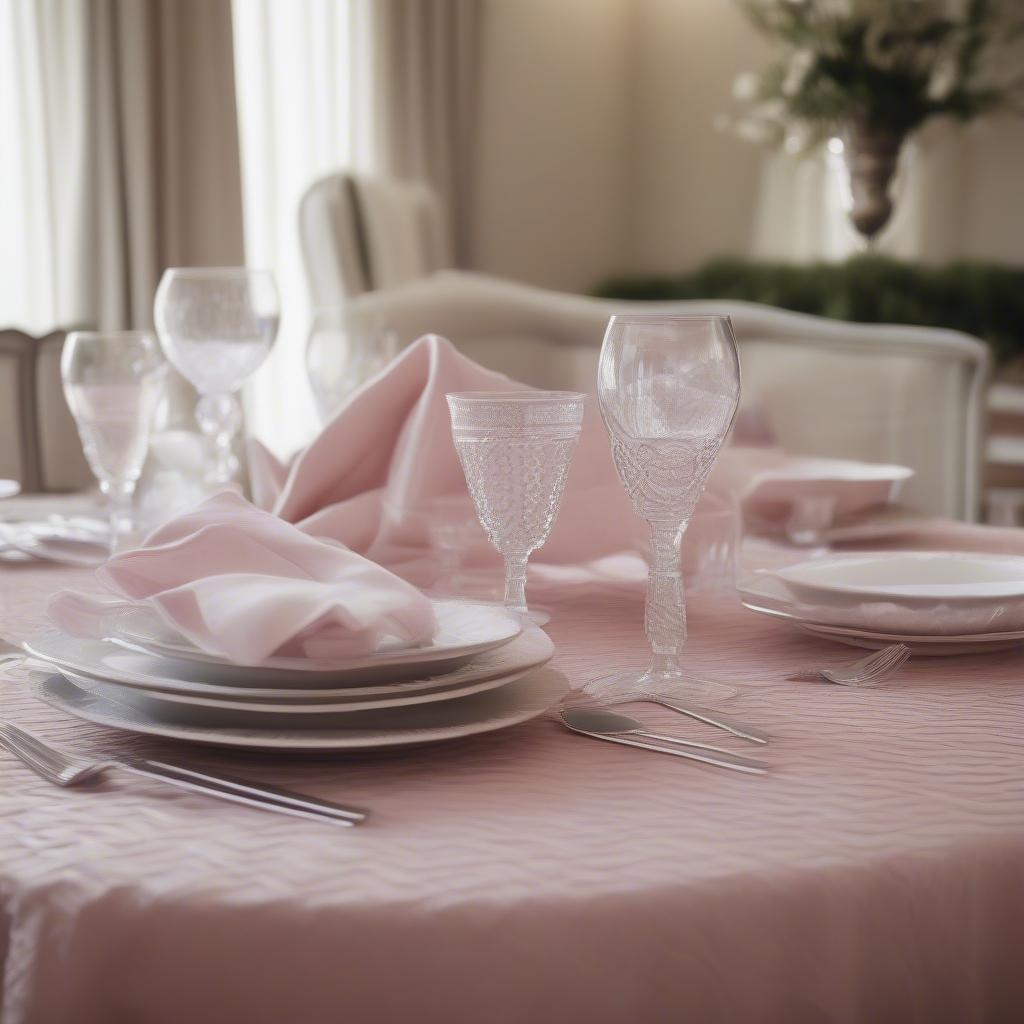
(379, 470)
(244, 584)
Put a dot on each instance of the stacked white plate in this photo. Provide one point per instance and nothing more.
(483, 671)
(935, 602)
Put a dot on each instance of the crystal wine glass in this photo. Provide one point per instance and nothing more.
(217, 325)
(515, 448)
(668, 387)
(113, 383)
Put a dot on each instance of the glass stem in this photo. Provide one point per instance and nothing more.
(119, 509)
(515, 581)
(665, 613)
(219, 418)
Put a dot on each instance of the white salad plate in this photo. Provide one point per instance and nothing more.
(933, 592)
(188, 683)
(766, 595)
(464, 629)
(910, 576)
(525, 698)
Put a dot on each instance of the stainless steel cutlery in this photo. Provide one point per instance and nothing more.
(875, 668)
(701, 714)
(601, 724)
(63, 769)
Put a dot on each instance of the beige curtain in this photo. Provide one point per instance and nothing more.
(127, 146)
(426, 73)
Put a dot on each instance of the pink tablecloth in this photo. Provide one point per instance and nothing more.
(877, 875)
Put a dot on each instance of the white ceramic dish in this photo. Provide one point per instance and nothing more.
(464, 629)
(767, 596)
(210, 713)
(9, 488)
(109, 663)
(185, 682)
(920, 592)
(853, 485)
(923, 576)
(526, 698)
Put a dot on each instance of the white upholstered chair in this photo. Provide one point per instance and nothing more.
(360, 233)
(907, 395)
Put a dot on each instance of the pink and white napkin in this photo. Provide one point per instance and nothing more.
(242, 583)
(375, 476)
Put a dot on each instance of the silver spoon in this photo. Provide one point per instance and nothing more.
(613, 727)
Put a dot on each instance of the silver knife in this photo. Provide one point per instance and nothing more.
(244, 791)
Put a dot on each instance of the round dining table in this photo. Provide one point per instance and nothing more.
(875, 874)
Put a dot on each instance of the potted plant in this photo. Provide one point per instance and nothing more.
(871, 72)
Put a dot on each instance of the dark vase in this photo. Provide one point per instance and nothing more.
(872, 156)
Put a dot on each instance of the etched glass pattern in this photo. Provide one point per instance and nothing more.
(668, 389)
(516, 449)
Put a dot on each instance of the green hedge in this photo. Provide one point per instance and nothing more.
(978, 298)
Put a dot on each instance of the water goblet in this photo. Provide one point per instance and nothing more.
(515, 448)
(113, 383)
(217, 326)
(668, 388)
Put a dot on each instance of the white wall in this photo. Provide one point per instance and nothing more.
(694, 188)
(598, 152)
(551, 165)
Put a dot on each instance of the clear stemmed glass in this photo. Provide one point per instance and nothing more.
(217, 325)
(113, 383)
(515, 448)
(342, 355)
(668, 388)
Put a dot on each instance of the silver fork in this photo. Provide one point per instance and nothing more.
(875, 668)
(580, 698)
(68, 770)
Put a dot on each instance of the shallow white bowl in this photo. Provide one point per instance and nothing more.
(830, 490)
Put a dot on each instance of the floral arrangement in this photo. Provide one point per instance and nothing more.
(890, 64)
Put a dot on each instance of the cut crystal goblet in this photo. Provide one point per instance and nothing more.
(515, 448)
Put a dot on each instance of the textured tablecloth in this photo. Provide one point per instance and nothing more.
(532, 875)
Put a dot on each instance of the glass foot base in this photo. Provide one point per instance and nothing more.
(530, 616)
(536, 616)
(680, 686)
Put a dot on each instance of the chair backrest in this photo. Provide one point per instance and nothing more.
(907, 395)
(361, 233)
(39, 443)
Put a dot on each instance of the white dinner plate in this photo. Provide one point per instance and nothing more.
(526, 698)
(766, 596)
(908, 576)
(258, 715)
(187, 682)
(464, 629)
(919, 592)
